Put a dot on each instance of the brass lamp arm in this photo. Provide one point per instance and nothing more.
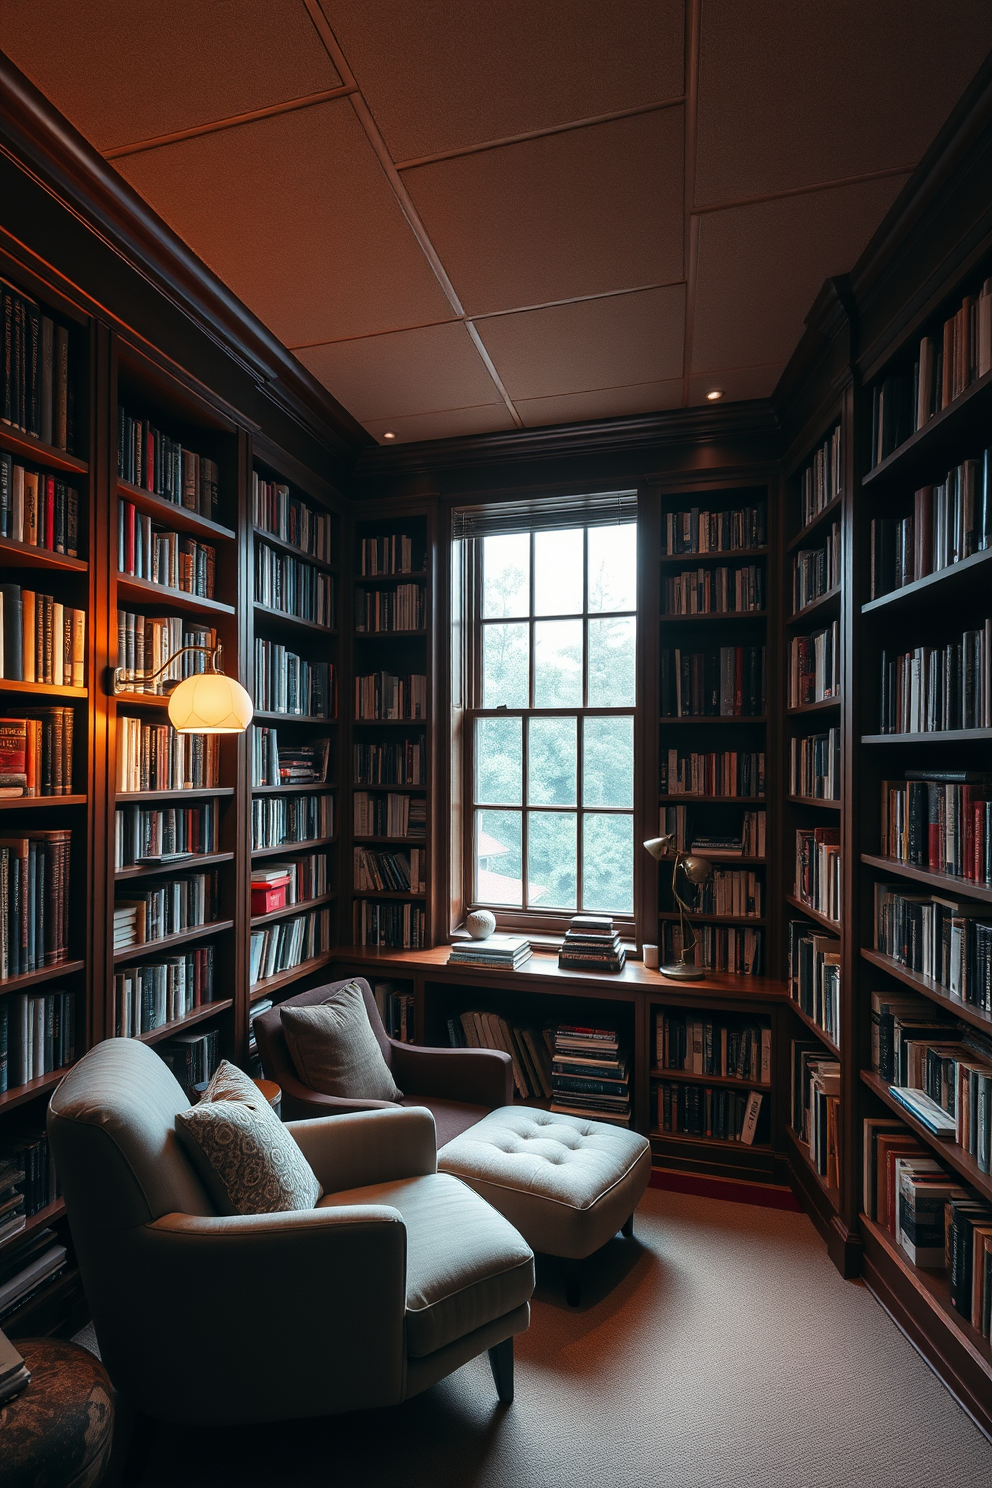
(124, 675)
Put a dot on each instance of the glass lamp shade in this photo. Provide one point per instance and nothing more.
(210, 703)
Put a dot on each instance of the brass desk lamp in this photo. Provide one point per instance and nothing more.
(696, 871)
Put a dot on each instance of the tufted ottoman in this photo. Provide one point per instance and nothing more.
(565, 1183)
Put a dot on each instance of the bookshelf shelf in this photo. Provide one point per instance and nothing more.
(932, 736)
(831, 510)
(42, 689)
(714, 919)
(183, 937)
(179, 1025)
(832, 1195)
(720, 1143)
(282, 848)
(311, 788)
(29, 555)
(729, 1081)
(172, 516)
(261, 535)
(268, 717)
(36, 452)
(177, 865)
(936, 993)
(400, 577)
(821, 801)
(731, 555)
(143, 591)
(388, 722)
(387, 635)
(40, 1086)
(816, 607)
(35, 978)
(814, 914)
(283, 978)
(950, 1152)
(823, 706)
(974, 571)
(929, 452)
(22, 803)
(207, 793)
(291, 909)
(280, 617)
(37, 1221)
(689, 797)
(697, 718)
(821, 1033)
(948, 882)
(387, 894)
(388, 841)
(691, 619)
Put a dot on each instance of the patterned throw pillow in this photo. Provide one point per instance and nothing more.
(247, 1159)
(334, 1050)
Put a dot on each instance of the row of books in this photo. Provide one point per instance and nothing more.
(37, 1035)
(273, 763)
(397, 872)
(816, 1107)
(288, 943)
(818, 869)
(388, 814)
(381, 695)
(814, 976)
(816, 571)
(730, 1045)
(147, 551)
(814, 666)
(159, 834)
(151, 994)
(307, 876)
(145, 643)
(32, 1263)
(591, 944)
(724, 681)
(948, 523)
(41, 639)
(154, 461)
(166, 907)
(951, 1066)
(747, 841)
(938, 687)
(27, 1170)
(258, 1007)
(945, 365)
(590, 1075)
(153, 756)
(938, 936)
(400, 762)
(38, 509)
(37, 394)
(718, 947)
(279, 819)
(732, 891)
(814, 765)
(937, 823)
(709, 591)
(390, 554)
(293, 586)
(36, 753)
(690, 1110)
(34, 900)
(192, 1057)
(698, 530)
(499, 952)
(288, 683)
(727, 772)
(402, 608)
(529, 1048)
(402, 925)
(822, 479)
(277, 510)
(395, 1004)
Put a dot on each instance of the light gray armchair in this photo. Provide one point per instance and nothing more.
(398, 1277)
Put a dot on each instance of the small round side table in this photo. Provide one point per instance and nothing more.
(59, 1431)
(272, 1093)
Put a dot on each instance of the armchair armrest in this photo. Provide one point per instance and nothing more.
(299, 1102)
(366, 1147)
(478, 1077)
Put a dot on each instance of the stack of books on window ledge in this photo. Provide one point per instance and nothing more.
(504, 952)
(591, 944)
(589, 1075)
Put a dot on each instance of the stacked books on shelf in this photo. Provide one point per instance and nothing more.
(381, 695)
(284, 819)
(389, 554)
(392, 924)
(941, 1072)
(399, 762)
(27, 1266)
(816, 1107)
(722, 682)
(146, 643)
(36, 390)
(714, 591)
(152, 993)
(814, 976)
(729, 1045)
(273, 763)
(728, 772)
(731, 891)
(394, 1001)
(814, 666)
(822, 479)
(287, 683)
(261, 1005)
(946, 939)
(147, 551)
(748, 841)
(288, 943)
(150, 835)
(949, 522)
(30, 1155)
(294, 521)
(38, 509)
(37, 1035)
(816, 571)
(940, 820)
(192, 1057)
(529, 1048)
(590, 1075)
(503, 952)
(153, 756)
(591, 944)
(34, 900)
(165, 908)
(814, 766)
(41, 640)
(402, 608)
(818, 869)
(718, 947)
(395, 872)
(36, 753)
(939, 687)
(389, 815)
(152, 460)
(293, 586)
(700, 531)
(295, 881)
(689, 1110)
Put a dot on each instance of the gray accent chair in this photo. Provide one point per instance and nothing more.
(400, 1274)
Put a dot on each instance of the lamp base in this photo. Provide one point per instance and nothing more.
(682, 971)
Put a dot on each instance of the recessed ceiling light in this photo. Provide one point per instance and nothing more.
(712, 396)
(389, 434)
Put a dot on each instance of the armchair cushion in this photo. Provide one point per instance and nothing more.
(334, 1049)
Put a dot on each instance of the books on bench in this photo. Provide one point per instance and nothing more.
(508, 952)
(591, 944)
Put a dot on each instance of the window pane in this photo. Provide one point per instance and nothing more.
(558, 664)
(499, 761)
(558, 573)
(551, 762)
(504, 666)
(506, 576)
(611, 663)
(608, 863)
(607, 762)
(613, 567)
(551, 875)
(498, 877)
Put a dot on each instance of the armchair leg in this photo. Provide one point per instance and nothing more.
(628, 1226)
(501, 1364)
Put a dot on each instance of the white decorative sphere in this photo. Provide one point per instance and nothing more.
(480, 924)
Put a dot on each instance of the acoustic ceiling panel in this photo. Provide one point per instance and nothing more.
(136, 69)
(612, 402)
(445, 424)
(441, 74)
(760, 268)
(582, 213)
(801, 94)
(316, 245)
(408, 372)
(617, 340)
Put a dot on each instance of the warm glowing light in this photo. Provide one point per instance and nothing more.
(210, 703)
(714, 394)
(389, 434)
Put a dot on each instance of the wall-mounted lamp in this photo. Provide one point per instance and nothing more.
(696, 871)
(205, 703)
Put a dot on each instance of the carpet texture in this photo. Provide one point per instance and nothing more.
(718, 1349)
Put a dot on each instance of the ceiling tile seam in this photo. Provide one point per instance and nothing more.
(591, 122)
(690, 224)
(374, 136)
(215, 126)
(610, 387)
(768, 196)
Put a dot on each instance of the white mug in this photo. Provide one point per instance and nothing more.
(650, 956)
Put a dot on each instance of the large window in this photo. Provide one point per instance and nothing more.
(549, 730)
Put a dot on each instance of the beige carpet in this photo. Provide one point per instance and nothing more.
(719, 1349)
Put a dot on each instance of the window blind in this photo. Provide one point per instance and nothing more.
(545, 514)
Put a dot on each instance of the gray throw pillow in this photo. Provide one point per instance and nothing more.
(334, 1050)
(247, 1159)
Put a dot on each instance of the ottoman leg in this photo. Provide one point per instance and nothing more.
(501, 1364)
(628, 1226)
(573, 1282)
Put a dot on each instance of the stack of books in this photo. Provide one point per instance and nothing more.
(14, 1373)
(504, 952)
(589, 1075)
(27, 1266)
(591, 944)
